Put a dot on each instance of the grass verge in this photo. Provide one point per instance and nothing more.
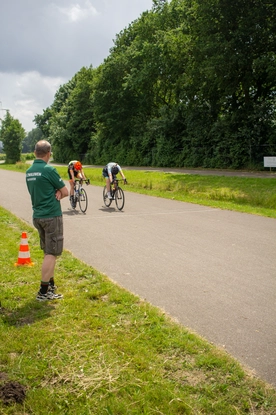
(249, 195)
(103, 350)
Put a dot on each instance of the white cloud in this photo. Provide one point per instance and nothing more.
(44, 43)
(77, 12)
(27, 94)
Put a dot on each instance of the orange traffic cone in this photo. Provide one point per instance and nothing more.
(24, 253)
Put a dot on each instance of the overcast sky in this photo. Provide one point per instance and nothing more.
(44, 43)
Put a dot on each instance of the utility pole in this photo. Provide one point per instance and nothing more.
(3, 109)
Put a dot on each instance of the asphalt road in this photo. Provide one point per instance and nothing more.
(212, 270)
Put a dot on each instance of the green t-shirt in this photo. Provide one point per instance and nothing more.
(42, 181)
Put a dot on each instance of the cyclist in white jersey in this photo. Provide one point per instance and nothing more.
(109, 173)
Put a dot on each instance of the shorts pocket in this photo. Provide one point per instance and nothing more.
(57, 245)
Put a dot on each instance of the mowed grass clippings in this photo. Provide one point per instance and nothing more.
(242, 194)
(103, 350)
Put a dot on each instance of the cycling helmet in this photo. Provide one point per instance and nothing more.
(78, 165)
(115, 170)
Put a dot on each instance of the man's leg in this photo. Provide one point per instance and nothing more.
(48, 267)
(47, 271)
(52, 231)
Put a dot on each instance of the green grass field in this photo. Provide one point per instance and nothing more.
(103, 350)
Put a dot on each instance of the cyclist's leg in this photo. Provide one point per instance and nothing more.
(106, 200)
(108, 188)
(107, 183)
(71, 182)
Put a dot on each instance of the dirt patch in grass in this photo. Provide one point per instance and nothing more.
(11, 391)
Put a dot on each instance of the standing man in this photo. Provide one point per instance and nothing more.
(47, 189)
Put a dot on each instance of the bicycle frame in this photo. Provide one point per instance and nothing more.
(80, 195)
(77, 187)
(114, 186)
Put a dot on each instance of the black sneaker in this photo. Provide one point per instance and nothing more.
(53, 296)
(48, 296)
(52, 288)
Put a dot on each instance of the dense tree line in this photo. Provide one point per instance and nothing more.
(189, 83)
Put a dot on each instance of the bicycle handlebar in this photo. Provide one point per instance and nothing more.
(119, 180)
(87, 181)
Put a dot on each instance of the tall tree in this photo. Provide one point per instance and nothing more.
(31, 139)
(12, 134)
(234, 47)
(42, 121)
(72, 122)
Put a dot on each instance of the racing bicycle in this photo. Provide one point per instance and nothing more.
(117, 194)
(80, 195)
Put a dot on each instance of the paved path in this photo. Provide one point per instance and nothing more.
(212, 270)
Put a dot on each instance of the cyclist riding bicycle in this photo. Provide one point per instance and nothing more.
(75, 170)
(109, 173)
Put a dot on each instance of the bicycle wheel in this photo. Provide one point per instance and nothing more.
(107, 201)
(83, 201)
(119, 198)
